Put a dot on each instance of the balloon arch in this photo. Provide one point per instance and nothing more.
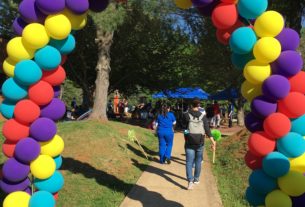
(261, 46)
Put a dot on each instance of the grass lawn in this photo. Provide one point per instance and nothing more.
(100, 164)
(230, 170)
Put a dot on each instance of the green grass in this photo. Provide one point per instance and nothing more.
(100, 164)
(230, 170)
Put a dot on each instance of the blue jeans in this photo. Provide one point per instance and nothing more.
(165, 145)
(193, 156)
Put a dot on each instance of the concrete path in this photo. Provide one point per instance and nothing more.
(165, 185)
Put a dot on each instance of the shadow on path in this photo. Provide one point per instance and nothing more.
(159, 172)
(151, 199)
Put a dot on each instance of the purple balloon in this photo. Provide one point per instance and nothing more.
(208, 9)
(263, 107)
(18, 26)
(276, 87)
(288, 64)
(200, 3)
(298, 201)
(30, 12)
(98, 5)
(28, 190)
(289, 39)
(15, 171)
(27, 150)
(56, 91)
(9, 187)
(254, 123)
(51, 7)
(77, 6)
(55, 110)
(43, 129)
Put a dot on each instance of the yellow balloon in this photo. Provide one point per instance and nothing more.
(77, 21)
(183, 4)
(17, 199)
(298, 164)
(9, 67)
(58, 26)
(35, 36)
(54, 147)
(278, 198)
(267, 49)
(18, 51)
(43, 167)
(292, 184)
(269, 24)
(249, 91)
(256, 72)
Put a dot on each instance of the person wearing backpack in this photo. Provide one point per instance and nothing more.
(197, 127)
(165, 123)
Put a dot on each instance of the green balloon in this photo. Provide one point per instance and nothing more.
(216, 134)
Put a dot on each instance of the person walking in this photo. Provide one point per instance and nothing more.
(231, 112)
(165, 130)
(216, 118)
(197, 127)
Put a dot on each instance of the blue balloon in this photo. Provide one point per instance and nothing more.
(240, 61)
(27, 72)
(243, 40)
(297, 125)
(276, 164)
(7, 109)
(58, 161)
(254, 198)
(52, 184)
(42, 199)
(250, 9)
(48, 58)
(13, 91)
(261, 182)
(65, 46)
(292, 145)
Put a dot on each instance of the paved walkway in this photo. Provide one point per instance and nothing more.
(165, 185)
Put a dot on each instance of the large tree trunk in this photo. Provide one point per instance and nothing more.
(240, 112)
(104, 41)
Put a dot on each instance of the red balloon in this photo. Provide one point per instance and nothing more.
(293, 105)
(297, 82)
(26, 111)
(260, 144)
(277, 125)
(41, 93)
(63, 59)
(14, 131)
(55, 195)
(8, 148)
(253, 162)
(223, 35)
(225, 16)
(54, 77)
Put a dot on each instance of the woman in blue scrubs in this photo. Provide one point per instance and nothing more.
(165, 130)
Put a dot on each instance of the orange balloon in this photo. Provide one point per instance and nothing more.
(230, 1)
(8, 148)
(225, 16)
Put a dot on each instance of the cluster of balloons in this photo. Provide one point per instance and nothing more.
(43, 39)
(267, 54)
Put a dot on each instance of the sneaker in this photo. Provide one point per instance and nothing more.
(190, 186)
(196, 182)
(168, 161)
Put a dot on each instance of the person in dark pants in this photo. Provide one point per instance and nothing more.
(197, 126)
(231, 112)
(165, 130)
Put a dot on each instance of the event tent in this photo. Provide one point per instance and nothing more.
(183, 93)
(227, 94)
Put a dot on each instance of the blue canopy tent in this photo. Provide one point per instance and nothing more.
(227, 94)
(183, 93)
